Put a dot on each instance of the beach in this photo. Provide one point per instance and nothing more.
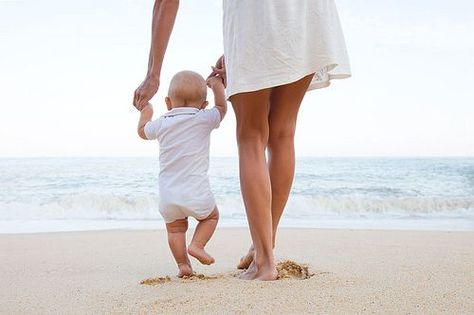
(352, 271)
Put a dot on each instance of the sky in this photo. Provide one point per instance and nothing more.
(68, 70)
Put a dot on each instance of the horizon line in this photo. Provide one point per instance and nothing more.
(235, 156)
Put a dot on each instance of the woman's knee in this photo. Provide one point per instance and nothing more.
(251, 113)
(252, 138)
(281, 136)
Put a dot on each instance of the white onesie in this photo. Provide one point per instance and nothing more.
(184, 134)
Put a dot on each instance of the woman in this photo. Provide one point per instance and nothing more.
(275, 51)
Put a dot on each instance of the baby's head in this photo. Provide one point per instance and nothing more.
(187, 89)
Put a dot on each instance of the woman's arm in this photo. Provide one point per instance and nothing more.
(164, 16)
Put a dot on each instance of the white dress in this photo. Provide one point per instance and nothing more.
(269, 43)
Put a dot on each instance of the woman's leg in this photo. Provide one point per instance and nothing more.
(251, 111)
(285, 102)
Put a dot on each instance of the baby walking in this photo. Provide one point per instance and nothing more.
(183, 134)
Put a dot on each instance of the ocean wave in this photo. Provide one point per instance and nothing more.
(97, 206)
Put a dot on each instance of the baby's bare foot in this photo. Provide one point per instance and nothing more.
(184, 270)
(200, 254)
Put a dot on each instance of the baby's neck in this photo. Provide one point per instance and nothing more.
(187, 106)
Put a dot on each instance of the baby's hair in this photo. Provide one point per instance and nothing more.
(188, 87)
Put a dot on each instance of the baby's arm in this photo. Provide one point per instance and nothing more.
(146, 114)
(217, 86)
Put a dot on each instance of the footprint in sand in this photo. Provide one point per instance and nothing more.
(197, 276)
(193, 277)
(155, 281)
(287, 269)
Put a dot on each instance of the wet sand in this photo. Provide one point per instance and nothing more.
(349, 271)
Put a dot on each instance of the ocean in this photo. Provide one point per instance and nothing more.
(75, 194)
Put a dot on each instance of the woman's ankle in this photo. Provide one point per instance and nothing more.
(265, 261)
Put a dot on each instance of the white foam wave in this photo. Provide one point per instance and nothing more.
(408, 206)
(94, 206)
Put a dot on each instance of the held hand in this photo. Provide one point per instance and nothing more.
(145, 92)
(214, 82)
(219, 70)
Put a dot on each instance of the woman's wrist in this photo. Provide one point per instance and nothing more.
(153, 76)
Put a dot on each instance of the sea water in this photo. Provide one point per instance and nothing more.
(70, 194)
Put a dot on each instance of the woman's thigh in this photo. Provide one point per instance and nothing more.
(251, 113)
(269, 112)
(285, 102)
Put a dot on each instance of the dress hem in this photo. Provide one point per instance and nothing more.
(318, 84)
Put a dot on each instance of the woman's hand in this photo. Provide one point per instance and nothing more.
(145, 92)
(219, 70)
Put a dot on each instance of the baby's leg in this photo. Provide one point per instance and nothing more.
(177, 242)
(203, 233)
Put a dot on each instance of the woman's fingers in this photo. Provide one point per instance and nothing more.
(220, 62)
(141, 101)
(215, 71)
(136, 99)
(219, 68)
(220, 72)
(145, 92)
(213, 74)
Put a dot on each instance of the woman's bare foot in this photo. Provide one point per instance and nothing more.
(249, 274)
(264, 273)
(268, 273)
(184, 270)
(247, 260)
(200, 254)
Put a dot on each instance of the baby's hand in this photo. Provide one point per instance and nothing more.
(215, 81)
(148, 105)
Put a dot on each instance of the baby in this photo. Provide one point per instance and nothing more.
(183, 135)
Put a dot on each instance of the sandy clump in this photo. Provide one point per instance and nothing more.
(289, 269)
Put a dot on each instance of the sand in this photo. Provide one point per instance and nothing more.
(348, 272)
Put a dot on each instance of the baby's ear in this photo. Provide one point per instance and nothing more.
(204, 104)
(168, 103)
